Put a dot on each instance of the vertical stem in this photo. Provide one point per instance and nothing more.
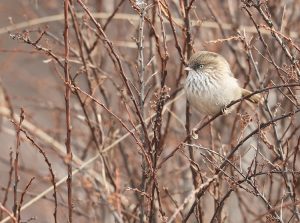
(68, 110)
(141, 62)
(187, 6)
(141, 74)
(16, 166)
(189, 52)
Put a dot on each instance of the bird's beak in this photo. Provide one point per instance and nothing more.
(188, 69)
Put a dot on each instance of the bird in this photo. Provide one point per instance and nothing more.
(210, 85)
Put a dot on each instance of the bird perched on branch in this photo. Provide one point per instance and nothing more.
(210, 85)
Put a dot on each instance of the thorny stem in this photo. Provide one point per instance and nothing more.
(16, 166)
(141, 74)
(68, 110)
(22, 199)
(157, 133)
(187, 7)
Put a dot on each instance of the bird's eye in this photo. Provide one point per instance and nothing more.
(201, 66)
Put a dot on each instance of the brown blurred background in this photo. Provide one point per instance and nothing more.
(120, 177)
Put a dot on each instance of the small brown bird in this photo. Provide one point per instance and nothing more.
(210, 85)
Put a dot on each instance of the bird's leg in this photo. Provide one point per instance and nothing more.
(193, 132)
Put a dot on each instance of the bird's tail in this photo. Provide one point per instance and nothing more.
(254, 98)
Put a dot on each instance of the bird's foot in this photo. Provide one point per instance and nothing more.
(225, 111)
(194, 134)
